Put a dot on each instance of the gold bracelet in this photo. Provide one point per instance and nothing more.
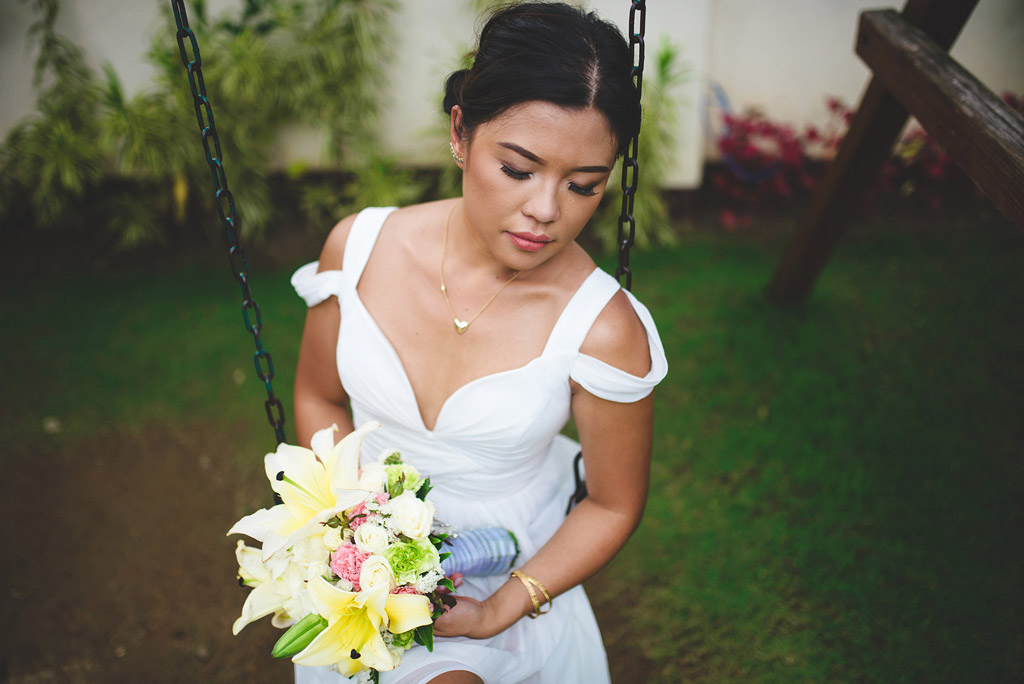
(529, 582)
(531, 592)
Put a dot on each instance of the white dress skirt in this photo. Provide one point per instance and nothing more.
(495, 458)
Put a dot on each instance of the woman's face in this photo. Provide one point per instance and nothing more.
(533, 177)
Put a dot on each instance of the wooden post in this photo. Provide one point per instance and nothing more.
(979, 131)
(879, 119)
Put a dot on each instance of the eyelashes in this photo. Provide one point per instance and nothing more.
(582, 190)
(512, 173)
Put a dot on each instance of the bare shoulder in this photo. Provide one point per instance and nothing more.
(333, 254)
(618, 338)
(401, 224)
(418, 219)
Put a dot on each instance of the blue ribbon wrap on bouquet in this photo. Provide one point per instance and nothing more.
(483, 552)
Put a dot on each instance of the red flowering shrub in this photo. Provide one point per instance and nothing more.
(766, 165)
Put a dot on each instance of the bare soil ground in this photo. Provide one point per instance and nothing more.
(116, 567)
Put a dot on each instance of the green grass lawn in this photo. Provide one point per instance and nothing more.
(837, 487)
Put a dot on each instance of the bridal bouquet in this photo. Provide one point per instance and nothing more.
(349, 558)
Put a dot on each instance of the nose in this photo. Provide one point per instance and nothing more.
(542, 205)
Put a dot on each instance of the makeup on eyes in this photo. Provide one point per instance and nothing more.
(522, 151)
(581, 190)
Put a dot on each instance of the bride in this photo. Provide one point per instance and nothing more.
(473, 328)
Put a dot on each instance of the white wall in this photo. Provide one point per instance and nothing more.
(432, 36)
(782, 56)
(785, 58)
(437, 32)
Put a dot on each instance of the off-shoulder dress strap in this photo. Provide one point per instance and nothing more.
(595, 376)
(361, 239)
(315, 287)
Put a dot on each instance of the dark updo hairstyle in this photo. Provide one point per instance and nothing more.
(551, 52)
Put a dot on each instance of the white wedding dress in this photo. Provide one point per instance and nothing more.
(494, 457)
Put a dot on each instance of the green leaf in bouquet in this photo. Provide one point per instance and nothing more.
(446, 554)
(424, 489)
(447, 582)
(299, 636)
(397, 488)
(424, 636)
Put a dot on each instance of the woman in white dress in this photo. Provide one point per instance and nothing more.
(473, 328)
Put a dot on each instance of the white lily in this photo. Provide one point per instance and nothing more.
(313, 485)
(268, 594)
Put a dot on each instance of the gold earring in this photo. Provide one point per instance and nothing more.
(456, 157)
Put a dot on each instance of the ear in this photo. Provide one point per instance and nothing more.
(455, 136)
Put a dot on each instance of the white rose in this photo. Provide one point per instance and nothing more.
(412, 517)
(371, 538)
(373, 478)
(332, 538)
(376, 572)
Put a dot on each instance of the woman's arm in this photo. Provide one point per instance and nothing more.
(616, 442)
(320, 400)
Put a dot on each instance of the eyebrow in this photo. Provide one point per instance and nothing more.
(534, 158)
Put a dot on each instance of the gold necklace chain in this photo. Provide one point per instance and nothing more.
(462, 326)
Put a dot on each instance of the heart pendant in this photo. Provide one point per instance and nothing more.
(460, 325)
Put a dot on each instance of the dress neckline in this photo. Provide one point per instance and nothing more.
(392, 353)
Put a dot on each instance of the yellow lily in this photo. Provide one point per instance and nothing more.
(352, 639)
(314, 486)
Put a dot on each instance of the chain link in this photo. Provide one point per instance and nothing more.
(630, 166)
(192, 60)
(251, 315)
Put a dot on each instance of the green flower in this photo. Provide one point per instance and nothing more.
(411, 559)
(402, 478)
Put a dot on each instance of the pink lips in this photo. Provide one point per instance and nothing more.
(529, 241)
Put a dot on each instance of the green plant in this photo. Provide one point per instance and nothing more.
(656, 145)
(94, 157)
(339, 47)
(57, 152)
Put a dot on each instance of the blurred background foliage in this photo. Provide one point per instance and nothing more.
(126, 172)
(93, 157)
(657, 141)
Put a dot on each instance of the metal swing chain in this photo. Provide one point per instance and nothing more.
(630, 173)
(630, 167)
(226, 211)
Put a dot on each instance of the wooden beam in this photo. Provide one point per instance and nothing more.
(980, 132)
(879, 119)
(866, 146)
